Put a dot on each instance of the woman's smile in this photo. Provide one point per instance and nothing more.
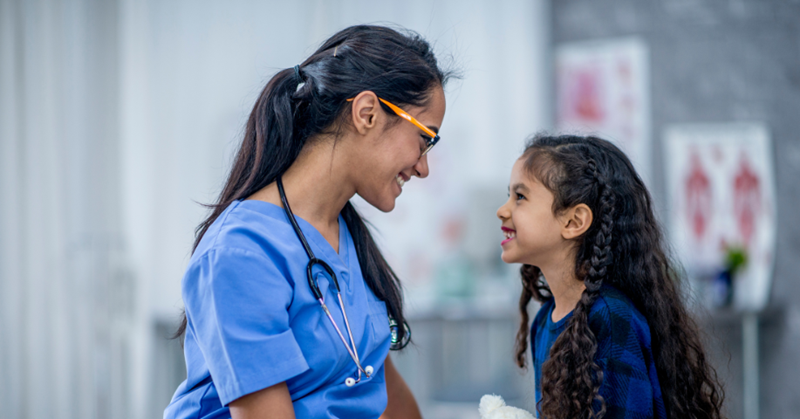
(401, 179)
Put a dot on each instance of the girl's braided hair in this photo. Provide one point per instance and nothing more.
(623, 247)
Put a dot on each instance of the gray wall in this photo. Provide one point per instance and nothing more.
(724, 61)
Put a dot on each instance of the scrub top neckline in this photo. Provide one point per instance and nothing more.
(315, 237)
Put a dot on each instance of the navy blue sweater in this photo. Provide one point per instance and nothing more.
(630, 385)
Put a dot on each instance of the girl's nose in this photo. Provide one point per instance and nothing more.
(502, 212)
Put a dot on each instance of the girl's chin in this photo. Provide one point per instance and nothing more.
(507, 257)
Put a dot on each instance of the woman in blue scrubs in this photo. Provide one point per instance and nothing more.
(357, 117)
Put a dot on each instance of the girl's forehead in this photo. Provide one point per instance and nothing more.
(519, 167)
(521, 174)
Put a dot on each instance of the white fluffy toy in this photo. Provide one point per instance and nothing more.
(494, 407)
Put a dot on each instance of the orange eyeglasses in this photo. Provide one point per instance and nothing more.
(433, 137)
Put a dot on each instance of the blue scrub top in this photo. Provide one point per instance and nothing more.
(253, 321)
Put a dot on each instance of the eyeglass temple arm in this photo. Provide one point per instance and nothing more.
(401, 113)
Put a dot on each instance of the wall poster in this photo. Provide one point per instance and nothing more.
(721, 194)
(602, 88)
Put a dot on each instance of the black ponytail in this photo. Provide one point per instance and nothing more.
(310, 99)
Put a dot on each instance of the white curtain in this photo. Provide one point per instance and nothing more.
(64, 296)
(118, 116)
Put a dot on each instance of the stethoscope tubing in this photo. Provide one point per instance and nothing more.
(313, 260)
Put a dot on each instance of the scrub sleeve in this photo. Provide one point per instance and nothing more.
(253, 322)
(254, 312)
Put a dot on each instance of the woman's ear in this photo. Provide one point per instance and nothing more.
(364, 111)
(575, 221)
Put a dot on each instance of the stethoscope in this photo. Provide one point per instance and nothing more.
(351, 348)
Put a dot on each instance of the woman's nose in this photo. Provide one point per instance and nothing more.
(421, 168)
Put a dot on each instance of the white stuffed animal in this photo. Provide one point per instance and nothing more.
(494, 407)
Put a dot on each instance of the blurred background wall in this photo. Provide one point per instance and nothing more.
(713, 62)
(117, 118)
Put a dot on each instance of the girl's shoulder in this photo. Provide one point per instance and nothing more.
(613, 298)
(614, 315)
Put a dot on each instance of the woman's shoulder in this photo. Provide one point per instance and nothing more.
(247, 242)
(246, 226)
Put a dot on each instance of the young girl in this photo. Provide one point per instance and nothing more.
(289, 303)
(613, 338)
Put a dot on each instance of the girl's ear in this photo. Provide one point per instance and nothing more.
(365, 111)
(575, 221)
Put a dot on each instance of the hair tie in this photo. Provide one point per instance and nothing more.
(300, 82)
(297, 74)
(335, 49)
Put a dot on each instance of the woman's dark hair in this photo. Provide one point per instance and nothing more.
(624, 247)
(300, 103)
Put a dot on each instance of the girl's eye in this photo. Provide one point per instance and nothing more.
(519, 196)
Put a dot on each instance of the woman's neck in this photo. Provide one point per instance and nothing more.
(316, 187)
(564, 285)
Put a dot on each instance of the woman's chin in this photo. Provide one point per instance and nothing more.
(383, 204)
(387, 207)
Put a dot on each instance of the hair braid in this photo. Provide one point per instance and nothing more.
(577, 346)
(601, 257)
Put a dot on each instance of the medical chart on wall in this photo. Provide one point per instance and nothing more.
(602, 88)
(721, 194)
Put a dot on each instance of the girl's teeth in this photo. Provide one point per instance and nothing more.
(510, 234)
(400, 180)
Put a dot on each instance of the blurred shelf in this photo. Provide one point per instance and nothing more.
(448, 410)
(463, 312)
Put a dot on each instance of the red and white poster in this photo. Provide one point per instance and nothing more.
(602, 88)
(721, 194)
